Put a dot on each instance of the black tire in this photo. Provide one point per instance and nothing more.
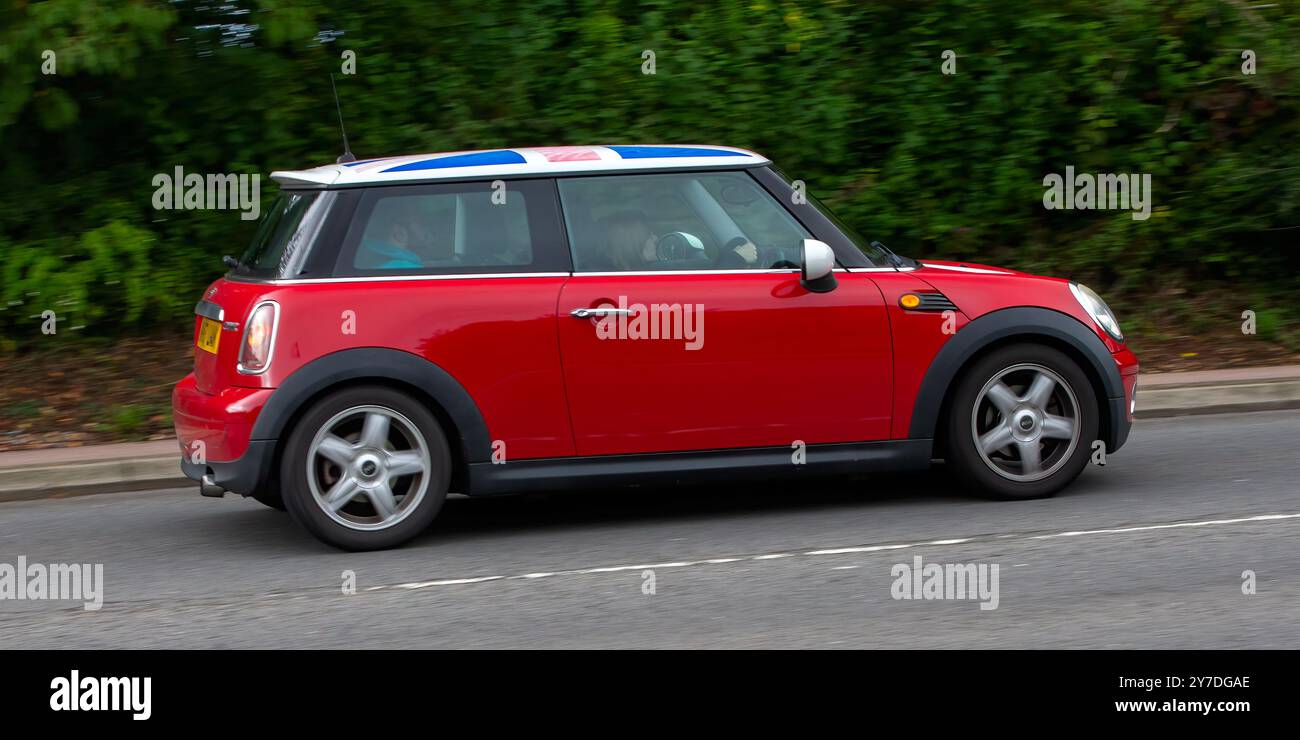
(269, 496)
(296, 488)
(964, 419)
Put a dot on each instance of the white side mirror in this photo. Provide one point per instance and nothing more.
(817, 263)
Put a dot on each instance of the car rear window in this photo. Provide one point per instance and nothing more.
(436, 230)
(460, 228)
(280, 236)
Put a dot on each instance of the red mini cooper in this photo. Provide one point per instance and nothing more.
(512, 320)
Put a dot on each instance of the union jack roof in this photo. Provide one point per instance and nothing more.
(516, 162)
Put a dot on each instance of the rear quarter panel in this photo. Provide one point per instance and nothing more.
(496, 336)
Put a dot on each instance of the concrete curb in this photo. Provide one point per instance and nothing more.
(23, 483)
(1199, 398)
(78, 471)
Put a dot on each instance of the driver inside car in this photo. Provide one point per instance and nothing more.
(633, 245)
(631, 242)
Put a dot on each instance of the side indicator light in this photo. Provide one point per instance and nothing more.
(909, 300)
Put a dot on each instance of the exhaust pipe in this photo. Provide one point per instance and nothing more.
(209, 487)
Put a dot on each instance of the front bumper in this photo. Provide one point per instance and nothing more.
(1121, 409)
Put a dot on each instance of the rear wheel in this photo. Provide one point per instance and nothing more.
(1022, 422)
(366, 468)
(269, 496)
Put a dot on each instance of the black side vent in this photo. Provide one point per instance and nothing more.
(935, 302)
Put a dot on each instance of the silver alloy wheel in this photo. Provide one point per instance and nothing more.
(368, 467)
(1026, 422)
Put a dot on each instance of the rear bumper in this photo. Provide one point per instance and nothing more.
(244, 476)
(222, 421)
(215, 430)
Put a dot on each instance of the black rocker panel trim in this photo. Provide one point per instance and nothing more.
(754, 463)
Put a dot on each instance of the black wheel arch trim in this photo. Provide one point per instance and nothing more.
(378, 363)
(1025, 321)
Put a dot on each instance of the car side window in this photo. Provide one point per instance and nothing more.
(677, 221)
(460, 228)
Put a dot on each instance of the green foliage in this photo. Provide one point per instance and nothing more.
(1270, 324)
(127, 419)
(848, 97)
(103, 277)
(25, 410)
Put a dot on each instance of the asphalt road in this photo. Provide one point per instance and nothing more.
(799, 566)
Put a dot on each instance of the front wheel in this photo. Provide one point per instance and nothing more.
(1022, 422)
(366, 468)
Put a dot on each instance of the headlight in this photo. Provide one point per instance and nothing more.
(259, 339)
(1098, 310)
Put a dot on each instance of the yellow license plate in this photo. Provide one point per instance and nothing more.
(209, 335)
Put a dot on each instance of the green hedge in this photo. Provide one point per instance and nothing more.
(846, 96)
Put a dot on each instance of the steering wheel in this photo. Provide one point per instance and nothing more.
(777, 258)
(677, 246)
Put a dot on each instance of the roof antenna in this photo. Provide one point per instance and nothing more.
(347, 155)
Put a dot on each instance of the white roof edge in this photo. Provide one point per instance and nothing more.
(538, 162)
(319, 176)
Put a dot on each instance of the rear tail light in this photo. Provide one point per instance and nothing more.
(259, 338)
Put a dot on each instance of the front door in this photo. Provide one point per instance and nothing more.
(685, 326)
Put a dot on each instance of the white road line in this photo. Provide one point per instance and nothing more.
(848, 550)
(448, 582)
(831, 552)
(1176, 525)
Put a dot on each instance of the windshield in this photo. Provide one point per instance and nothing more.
(863, 244)
(876, 255)
(279, 236)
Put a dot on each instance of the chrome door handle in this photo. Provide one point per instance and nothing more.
(590, 313)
